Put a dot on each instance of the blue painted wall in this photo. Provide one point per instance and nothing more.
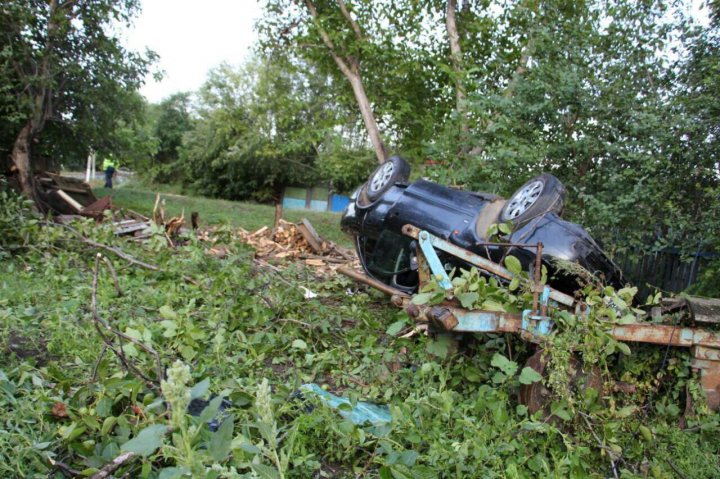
(295, 198)
(338, 203)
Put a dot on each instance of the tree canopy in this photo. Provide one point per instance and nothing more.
(67, 80)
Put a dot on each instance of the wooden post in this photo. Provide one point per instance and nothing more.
(278, 213)
(88, 168)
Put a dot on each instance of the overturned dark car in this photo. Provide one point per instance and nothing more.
(380, 208)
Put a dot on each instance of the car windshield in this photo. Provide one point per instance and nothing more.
(390, 254)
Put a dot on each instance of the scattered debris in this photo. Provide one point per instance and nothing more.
(69, 196)
(59, 410)
(97, 209)
(129, 226)
(310, 235)
(72, 199)
(362, 413)
(308, 294)
(290, 241)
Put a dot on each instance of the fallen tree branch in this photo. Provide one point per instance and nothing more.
(612, 455)
(114, 465)
(120, 253)
(112, 249)
(99, 359)
(326, 259)
(109, 264)
(297, 321)
(65, 468)
(103, 327)
(677, 471)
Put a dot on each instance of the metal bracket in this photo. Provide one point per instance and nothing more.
(476, 260)
(434, 263)
(535, 324)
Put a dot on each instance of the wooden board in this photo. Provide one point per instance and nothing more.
(69, 200)
(310, 235)
(704, 310)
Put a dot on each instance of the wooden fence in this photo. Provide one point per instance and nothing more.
(666, 270)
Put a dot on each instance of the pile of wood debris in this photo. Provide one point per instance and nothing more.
(292, 242)
(72, 198)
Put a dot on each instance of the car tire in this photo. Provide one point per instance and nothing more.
(542, 194)
(394, 170)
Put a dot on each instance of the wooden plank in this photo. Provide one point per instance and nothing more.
(704, 310)
(70, 200)
(127, 228)
(260, 231)
(69, 189)
(97, 209)
(310, 235)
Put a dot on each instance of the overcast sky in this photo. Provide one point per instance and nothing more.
(192, 37)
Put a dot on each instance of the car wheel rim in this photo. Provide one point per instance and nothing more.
(523, 200)
(382, 177)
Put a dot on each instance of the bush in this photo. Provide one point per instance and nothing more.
(17, 221)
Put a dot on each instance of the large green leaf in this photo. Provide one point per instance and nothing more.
(504, 364)
(395, 327)
(528, 375)
(266, 472)
(173, 473)
(200, 389)
(221, 440)
(147, 441)
(513, 265)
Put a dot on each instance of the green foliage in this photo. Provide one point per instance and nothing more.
(66, 73)
(400, 52)
(258, 131)
(249, 336)
(344, 168)
(18, 224)
(172, 123)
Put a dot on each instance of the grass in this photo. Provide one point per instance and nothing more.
(250, 216)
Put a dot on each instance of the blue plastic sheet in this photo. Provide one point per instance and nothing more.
(363, 412)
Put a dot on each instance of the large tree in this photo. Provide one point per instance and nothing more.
(172, 123)
(382, 55)
(260, 127)
(63, 70)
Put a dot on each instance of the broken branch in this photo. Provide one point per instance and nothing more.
(120, 253)
(110, 343)
(113, 465)
(353, 23)
(110, 266)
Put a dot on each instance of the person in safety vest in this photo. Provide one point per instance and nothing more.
(109, 168)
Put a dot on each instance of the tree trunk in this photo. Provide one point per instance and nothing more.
(42, 108)
(456, 59)
(21, 159)
(368, 117)
(350, 68)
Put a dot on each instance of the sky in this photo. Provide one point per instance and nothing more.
(191, 38)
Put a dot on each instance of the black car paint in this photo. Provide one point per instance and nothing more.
(452, 215)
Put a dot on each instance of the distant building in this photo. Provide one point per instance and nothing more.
(315, 198)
